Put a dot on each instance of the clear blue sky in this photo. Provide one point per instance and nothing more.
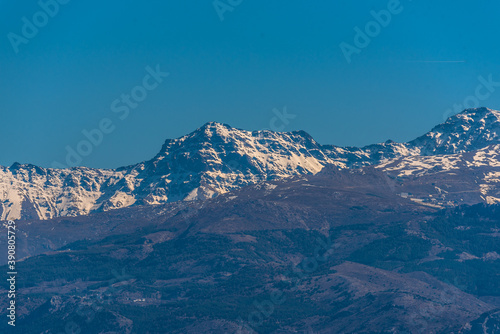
(263, 55)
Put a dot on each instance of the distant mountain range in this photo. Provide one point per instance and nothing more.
(217, 158)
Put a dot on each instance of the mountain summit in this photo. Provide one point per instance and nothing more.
(215, 159)
(470, 130)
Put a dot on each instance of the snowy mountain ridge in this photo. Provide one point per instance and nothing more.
(215, 159)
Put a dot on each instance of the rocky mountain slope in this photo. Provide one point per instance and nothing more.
(215, 159)
(449, 180)
(341, 251)
(467, 131)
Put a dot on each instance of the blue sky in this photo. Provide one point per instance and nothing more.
(262, 55)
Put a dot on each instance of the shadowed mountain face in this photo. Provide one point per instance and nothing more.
(216, 159)
(341, 251)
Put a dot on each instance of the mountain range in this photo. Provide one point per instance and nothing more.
(216, 159)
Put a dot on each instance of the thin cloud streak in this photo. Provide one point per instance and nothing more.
(436, 61)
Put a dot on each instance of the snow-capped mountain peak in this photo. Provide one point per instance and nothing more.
(469, 130)
(217, 158)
